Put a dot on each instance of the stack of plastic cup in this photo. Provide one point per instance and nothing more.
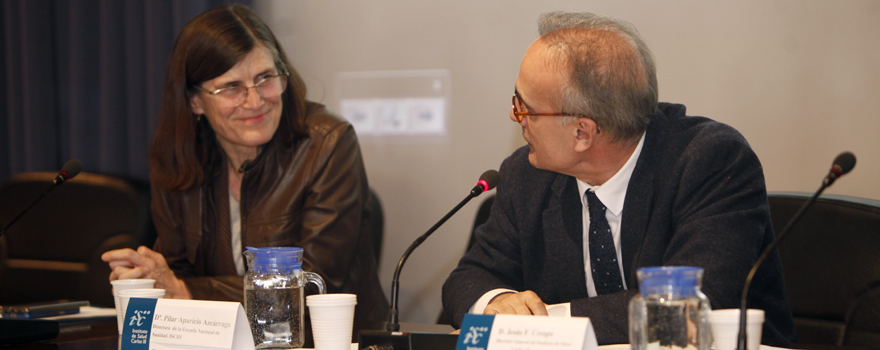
(332, 318)
(725, 328)
(119, 285)
(126, 295)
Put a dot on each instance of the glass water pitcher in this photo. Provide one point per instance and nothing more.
(274, 297)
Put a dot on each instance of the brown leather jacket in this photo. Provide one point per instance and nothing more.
(312, 196)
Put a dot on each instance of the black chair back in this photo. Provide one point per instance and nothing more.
(54, 251)
(831, 263)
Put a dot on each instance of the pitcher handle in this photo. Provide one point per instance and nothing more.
(317, 280)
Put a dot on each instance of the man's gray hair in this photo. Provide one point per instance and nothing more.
(613, 79)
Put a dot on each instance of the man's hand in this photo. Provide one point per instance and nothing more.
(145, 263)
(522, 303)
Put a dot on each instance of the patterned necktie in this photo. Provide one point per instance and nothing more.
(603, 255)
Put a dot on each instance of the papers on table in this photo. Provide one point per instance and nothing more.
(86, 312)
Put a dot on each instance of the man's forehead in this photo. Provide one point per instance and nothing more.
(550, 56)
(541, 66)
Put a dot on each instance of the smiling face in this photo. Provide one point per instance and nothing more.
(244, 128)
(541, 77)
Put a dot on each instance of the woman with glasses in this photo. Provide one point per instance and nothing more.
(240, 158)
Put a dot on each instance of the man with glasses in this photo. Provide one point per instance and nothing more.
(612, 181)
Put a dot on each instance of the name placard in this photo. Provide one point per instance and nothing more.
(159, 324)
(517, 332)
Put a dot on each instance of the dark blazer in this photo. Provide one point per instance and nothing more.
(696, 198)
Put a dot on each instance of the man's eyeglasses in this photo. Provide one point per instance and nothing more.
(233, 96)
(520, 110)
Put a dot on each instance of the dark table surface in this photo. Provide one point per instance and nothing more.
(102, 335)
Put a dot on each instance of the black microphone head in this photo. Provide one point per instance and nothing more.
(489, 179)
(72, 168)
(844, 162)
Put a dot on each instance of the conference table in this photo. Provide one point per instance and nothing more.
(101, 334)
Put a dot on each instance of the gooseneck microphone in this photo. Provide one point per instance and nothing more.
(488, 181)
(391, 338)
(842, 164)
(68, 171)
(13, 331)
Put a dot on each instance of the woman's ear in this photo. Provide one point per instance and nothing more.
(195, 105)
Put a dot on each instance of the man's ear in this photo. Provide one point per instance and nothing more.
(586, 133)
(195, 105)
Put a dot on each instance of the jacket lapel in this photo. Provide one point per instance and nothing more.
(639, 200)
(193, 221)
(563, 234)
(565, 188)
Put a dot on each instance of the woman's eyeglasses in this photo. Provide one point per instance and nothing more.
(233, 96)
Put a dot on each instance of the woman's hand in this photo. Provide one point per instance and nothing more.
(145, 263)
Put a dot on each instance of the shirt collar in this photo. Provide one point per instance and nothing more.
(613, 192)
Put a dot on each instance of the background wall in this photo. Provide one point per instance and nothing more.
(800, 79)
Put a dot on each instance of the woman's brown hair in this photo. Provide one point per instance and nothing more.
(184, 148)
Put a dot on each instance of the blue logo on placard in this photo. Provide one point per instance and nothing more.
(474, 334)
(475, 331)
(136, 332)
(138, 317)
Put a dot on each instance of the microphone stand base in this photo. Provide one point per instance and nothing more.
(385, 340)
